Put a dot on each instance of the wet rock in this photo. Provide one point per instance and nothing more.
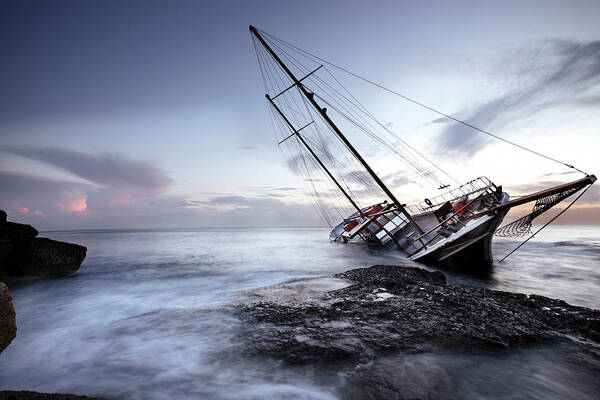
(8, 326)
(386, 309)
(23, 253)
(395, 378)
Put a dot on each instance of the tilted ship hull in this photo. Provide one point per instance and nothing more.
(472, 248)
(450, 234)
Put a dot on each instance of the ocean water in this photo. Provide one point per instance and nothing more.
(145, 317)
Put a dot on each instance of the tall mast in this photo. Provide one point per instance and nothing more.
(337, 131)
(297, 133)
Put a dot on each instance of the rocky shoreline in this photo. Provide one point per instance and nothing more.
(398, 332)
(22, 253)
(8, 324)
(358, 319)
(353, 332)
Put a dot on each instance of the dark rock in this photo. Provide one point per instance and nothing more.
(20, 232)
(22, 253)
(400, 275)
(395, 378)
(383, 309)
(14, 395)
(46, 256)
(8, 326)
(5, 249)
(2, 220)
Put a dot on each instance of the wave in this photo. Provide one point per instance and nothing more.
(573, 243)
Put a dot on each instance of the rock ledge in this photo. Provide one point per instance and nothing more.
(23, 253)
(369, 312)
(8, 326)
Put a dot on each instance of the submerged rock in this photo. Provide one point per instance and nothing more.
(369, 312)
(8, 326)
(22, 253)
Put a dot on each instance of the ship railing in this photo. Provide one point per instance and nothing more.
(380, 227)
(387, 226)
(476, 186)
(455, 218)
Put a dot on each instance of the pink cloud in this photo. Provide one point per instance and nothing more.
(21, 209)
(77, 205)
(122, 200)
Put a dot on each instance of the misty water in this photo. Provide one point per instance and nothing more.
(146, 318)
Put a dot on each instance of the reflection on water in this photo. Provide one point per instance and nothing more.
(144, 318)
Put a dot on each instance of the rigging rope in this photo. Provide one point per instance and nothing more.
(364, 109)
(522, 226)
(326, 202)
(340, 99)
(422, 104)
(545, 225)
(425, 174)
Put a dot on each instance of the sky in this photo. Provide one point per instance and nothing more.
(152, 113)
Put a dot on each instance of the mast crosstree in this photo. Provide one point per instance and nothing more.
(297, 133)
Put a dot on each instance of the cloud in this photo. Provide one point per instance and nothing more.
(588, 101)
(20, 210)
(77, 204)
(591, 196)
(24, 194)
(268, 189)
(273, 191)
(225, 200)
(247, 147)
(560, 173)
(60, 204)
(104, 169)
(237, 210)
(441, 120)
(123, 180)
(358, 177)
(551, 73)
(397, 179)
(116, 188)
